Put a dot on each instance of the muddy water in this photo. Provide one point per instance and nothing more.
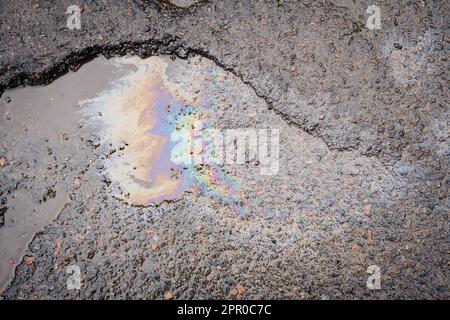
(33, 121)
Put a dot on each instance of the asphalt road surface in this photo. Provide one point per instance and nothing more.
(92, 205)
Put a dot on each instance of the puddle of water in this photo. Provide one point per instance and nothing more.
(143, 108)
(33, 119)
(23, 220)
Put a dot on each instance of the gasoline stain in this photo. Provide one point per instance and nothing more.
(150, 110)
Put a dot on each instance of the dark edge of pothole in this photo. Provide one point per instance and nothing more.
(167, 45)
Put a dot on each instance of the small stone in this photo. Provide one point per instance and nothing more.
(398, 46)
(29, 260)
(3, 161)
(367, 209)
(168, 295)
(58, 249)
(77, 182)
(369, 236)
(65, 136)
(241, 290)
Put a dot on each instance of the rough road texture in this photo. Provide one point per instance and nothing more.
(381, 94)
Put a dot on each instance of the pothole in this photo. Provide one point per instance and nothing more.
(128, 128)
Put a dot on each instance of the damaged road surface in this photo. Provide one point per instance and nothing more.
(116, 177)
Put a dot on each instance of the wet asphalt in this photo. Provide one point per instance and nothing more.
(365, 153)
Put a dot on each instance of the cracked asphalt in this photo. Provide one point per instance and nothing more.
(364, 147)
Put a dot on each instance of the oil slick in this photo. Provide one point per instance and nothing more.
(147, 112)
(133, 113)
